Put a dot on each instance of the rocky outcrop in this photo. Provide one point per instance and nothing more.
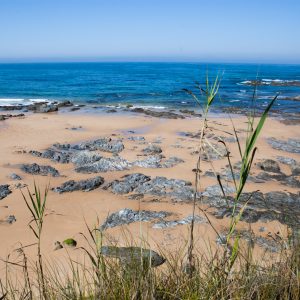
(82, 185)
(36, 169)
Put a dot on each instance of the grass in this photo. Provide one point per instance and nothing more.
(229, 272)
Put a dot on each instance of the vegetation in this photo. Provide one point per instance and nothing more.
(229, 273)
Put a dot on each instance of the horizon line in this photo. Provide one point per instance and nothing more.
(123, 60)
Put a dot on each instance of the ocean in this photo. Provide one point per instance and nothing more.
(158, 85)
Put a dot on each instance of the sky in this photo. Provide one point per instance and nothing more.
(264, 31)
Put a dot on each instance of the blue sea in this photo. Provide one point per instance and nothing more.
(157, 85)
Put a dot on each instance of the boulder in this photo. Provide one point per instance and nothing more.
(133, 257)
(36, 169)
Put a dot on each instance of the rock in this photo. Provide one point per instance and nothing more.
(136, 138)
(163, 187)
(291, 145)
(158, 114)
(45, 108)
(70, 243)
(111, 111)
(4, 191)
(152, 149)
(20, 185)
(102, 144)
(15, 176)
(158, 186)
(215, 190)
(82, 185)
(105, 164)
(129, 183)
(66, 103)
(134, 256)
(82, 158)
(152, 161)
(269, 165)
(171, 162)
(282, 178)
(292, 163)
(127, 216)
(36, 169)
(58, 156)
(187, 220)
(57, 245)
(11, 219)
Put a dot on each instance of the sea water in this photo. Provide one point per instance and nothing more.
(159, 85)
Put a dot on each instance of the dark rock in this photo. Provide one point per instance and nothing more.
(131, 257)
(35, 153)
(136, 138)
(83, 158)
(127, 216)
(82, 185)
(282, 178)
(269, 165)
(58, 156)
(111, 111)
(152, 149)
(152, 161)
(163, 187)
(66, 103)
(129, 183)
(215, 190)
(44, 108)
(4, 191)
(75, 108)
(102, 144)
(15, 176)
(11, 219)
(171, 162)
(36, 169)
(158, 114)
(291, 145)
(103, 165)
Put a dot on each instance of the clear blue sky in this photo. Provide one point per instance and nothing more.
(195, 30)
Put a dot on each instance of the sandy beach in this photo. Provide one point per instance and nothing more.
(68, 212)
